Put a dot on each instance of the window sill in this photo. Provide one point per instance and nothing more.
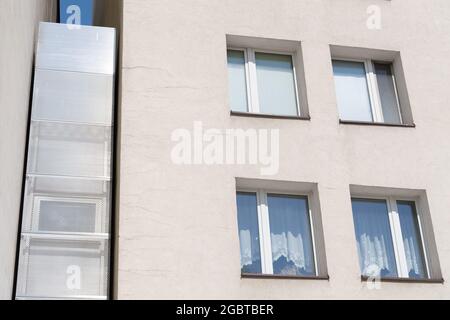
(406, 280)
(269, 116)
(379, 124)
(278, 276)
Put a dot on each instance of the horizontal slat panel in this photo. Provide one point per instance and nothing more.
(63, 268)
(76, 48)
(73, 96)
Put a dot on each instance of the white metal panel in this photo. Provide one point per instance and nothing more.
(76, 48)
(72, 96)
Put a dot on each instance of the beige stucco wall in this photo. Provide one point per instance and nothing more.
(178, 227)
(18, 29)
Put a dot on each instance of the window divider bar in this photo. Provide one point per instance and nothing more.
(374, 93)
(402, 267)
(264, 227)
(252, 81)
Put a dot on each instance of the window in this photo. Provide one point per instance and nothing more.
(389, 238)
(262, 82)
(275, 234)
(68, 215)
(366, 91)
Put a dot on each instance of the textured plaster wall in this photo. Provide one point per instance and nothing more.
(18, 30)
(177, 232)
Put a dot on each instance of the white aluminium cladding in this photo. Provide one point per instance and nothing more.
(65, 232)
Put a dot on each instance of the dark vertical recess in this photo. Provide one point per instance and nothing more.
(114, 187)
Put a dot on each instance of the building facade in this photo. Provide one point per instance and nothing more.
(351, 98)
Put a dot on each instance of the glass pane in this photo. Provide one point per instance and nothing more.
(65, 216)
(373, 237)
(388, 95)
(352, 91)
(60, 268)
(290, 232)
(276, 86)
(236, 80)
(411, 239)
(69, 149)
(72, 96)
(84, 49)
(248, 232)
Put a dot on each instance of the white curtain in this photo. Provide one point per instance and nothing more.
(373, 235)
(248, 233)
(292, 250)
(411, 239)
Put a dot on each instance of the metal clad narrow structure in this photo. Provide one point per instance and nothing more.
(65, 234)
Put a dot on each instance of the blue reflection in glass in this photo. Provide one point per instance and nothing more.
(352, 91)
(248, 232)
(276, 84)
(411, 239)
(237, 84)
(69, 8)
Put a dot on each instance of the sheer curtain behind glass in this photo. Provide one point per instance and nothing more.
(276, 84)
(411, 239)
(352, 91)
(292, 249)
(248, 232)
(373, 237)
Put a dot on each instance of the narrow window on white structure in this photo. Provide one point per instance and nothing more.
(275, 234)
(366, 91)
(389, 238)
(262, 82)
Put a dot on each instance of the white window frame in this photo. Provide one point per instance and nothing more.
(99, 213)
(396, 233)
(251, 79)
(373, 90)
(264, 226)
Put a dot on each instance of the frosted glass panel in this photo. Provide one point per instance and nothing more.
(352, 91)
(388, 95)
(412, 242)
(248, 233)
(237, 80)
(72, 96)
(276, 85)
(373, 237)
(65, 216)
(290, 233)
(69, 149)
(63, 185)
(84, 49)
(63, 268)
